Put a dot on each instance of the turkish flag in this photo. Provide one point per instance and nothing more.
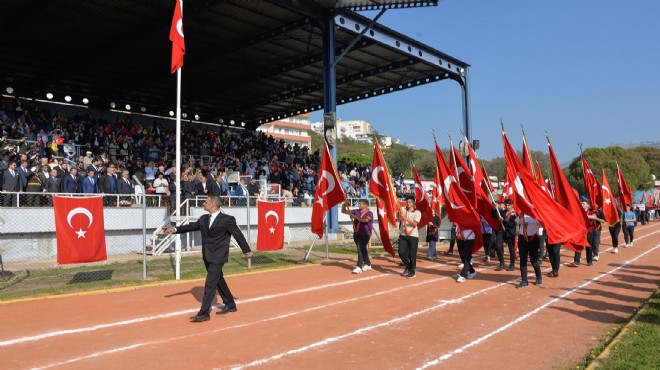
(567, 197)
(270, 232)
(80, 230)
(422, 201)
(625, 195)
(527, 156)
(590, 182)
(459, 209)
(463, 174)
(560, 224)
(380, 184)
(436, 196)
(539, 179)
(329, 192)
(384, 227)
(609, 205)
(176, 36)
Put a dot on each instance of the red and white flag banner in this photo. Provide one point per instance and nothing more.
(80, 229)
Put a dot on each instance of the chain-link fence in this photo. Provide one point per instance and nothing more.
(138, 250)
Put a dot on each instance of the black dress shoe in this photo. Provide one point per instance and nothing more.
(448, 253)
(227, 309)
(200, 318)
(500, 268)
(511, 268)
(522, 284)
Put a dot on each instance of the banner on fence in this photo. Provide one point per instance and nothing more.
(80, 229)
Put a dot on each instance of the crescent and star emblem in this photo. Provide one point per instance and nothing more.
(448, 181)
(420, 194)
(179, 27)
(80, 211)
(277, 220)
(331, 186)
(374, 175)
(607, 200)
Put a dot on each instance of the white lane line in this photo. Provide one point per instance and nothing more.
(448, 355)
(120, 349)
(369, 328)
(57, 333)
(283, 316)
(396, 320)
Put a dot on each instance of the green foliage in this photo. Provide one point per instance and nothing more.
(652, 157)
(317, 141)
(632, 164)
(355, 158)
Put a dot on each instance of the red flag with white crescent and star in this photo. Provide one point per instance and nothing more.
(610, 211)
(592, 185)
(421, 200)
(625, 195)
(80, 229)
(176, 36)
(560, 225)
(436, 196)
(270, 232)
(458, 207)
(329, 192)
(384, 227)
(380, 184)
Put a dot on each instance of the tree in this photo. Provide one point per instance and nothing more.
(632, 164)
(652, 157)
(355, 158)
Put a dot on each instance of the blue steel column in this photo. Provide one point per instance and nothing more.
(330, 98)
(465, 88)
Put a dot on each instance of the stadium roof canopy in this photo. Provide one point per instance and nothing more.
(248, 61)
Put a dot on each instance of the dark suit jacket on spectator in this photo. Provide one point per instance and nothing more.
(11, 183)
(70, 184)
(89, 187)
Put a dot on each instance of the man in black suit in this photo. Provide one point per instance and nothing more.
(11, 182)
(217, 229)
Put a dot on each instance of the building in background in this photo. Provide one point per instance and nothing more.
(358, 130)
(292, 130)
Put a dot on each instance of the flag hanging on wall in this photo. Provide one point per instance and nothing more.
(80, 229)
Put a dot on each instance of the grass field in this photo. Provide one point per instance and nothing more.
(639, 345)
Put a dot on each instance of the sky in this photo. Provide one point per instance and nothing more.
(585, 71)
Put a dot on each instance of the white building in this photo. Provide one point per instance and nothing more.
(358, 130)
(292, 130)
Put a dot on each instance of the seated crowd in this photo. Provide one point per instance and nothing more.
(39, 154)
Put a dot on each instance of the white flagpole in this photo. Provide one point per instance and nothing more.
(177, 164)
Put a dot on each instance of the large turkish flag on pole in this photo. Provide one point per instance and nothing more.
(80, 230)
(590, 182)
(459, 209)
(421, 200)
(384, 227)
(610, 211)
(270, 232)
(176, 36)
(380, 184)
(329, 192)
